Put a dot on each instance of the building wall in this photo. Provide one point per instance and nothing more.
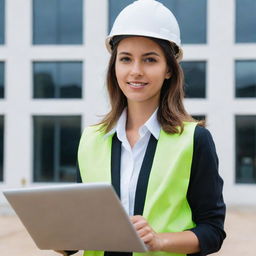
(220, 105)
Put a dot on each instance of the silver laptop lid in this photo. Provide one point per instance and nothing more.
(75, 217)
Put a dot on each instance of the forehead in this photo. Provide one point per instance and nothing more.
(138, 44)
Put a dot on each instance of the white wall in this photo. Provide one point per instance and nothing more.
(221, 106)
(18, 107)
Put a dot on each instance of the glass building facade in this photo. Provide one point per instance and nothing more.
(54, 85)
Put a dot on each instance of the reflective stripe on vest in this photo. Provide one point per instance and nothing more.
(166, 206)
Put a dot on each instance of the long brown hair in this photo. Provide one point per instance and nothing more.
(171, 112)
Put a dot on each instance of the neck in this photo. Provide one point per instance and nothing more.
(138, 114)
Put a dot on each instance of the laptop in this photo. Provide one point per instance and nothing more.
(75, 217)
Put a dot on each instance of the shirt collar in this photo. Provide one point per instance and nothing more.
(152, 125)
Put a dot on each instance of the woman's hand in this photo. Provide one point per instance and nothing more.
(184, 242)
(146, 233)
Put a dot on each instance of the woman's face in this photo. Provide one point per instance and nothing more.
(141, 69)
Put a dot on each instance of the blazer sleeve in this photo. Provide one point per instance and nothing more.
(205, 194)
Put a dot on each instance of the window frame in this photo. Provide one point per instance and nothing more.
(236, 32)
(36, 42)
(237, 170)
(205, 89)
(235, 78)
(56, 86)
(37, 174)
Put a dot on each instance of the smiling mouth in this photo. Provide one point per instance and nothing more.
(137, 84)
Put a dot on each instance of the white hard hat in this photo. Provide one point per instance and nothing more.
(147, 18)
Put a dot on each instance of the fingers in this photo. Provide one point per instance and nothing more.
(141, 226)
(147, 238)
(146, 233)
(139, 223)
(144, 230)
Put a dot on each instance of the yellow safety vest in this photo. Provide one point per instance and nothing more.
(166, 207)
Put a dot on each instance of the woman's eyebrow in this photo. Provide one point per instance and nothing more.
(150, 53)
(145, 54)
(125, 53)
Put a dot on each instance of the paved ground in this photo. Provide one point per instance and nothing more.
(240, 226)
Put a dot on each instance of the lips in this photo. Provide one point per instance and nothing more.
(137, 84)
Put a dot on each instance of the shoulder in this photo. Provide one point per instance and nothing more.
(91, 135)
(205, 157)
(92, 139)
(201, 131)
(203, 137)
(93, 130)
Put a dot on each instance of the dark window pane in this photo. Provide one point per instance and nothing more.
(246, 149)
(56, 141)
(2, 21)
(1, 148)
(57, 21)
(191, 16)
(1, 80)
(57, 80)
(245, 79)
(245, 21)
(195, 78)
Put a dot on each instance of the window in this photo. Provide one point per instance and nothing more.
(246, 149)
(57, 21)
(245, 21)
(57, 80)
(1, 80)
(191, 16)
(1, 147)
(2, 21)
(245, 79)
(56, 141)
(195, 78)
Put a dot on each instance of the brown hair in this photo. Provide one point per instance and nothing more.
(171, 112)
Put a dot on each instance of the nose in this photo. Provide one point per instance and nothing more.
(136, 69)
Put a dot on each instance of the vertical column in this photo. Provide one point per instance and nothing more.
(95, 61)
(18, 139)
(220, 82)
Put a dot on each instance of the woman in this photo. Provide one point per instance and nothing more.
(162, 163)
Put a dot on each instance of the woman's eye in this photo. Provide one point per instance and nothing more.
(125, 59)
(150, 59)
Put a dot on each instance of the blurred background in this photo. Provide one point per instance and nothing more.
(52, 84)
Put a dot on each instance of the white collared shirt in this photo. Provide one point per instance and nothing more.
(132, 158)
